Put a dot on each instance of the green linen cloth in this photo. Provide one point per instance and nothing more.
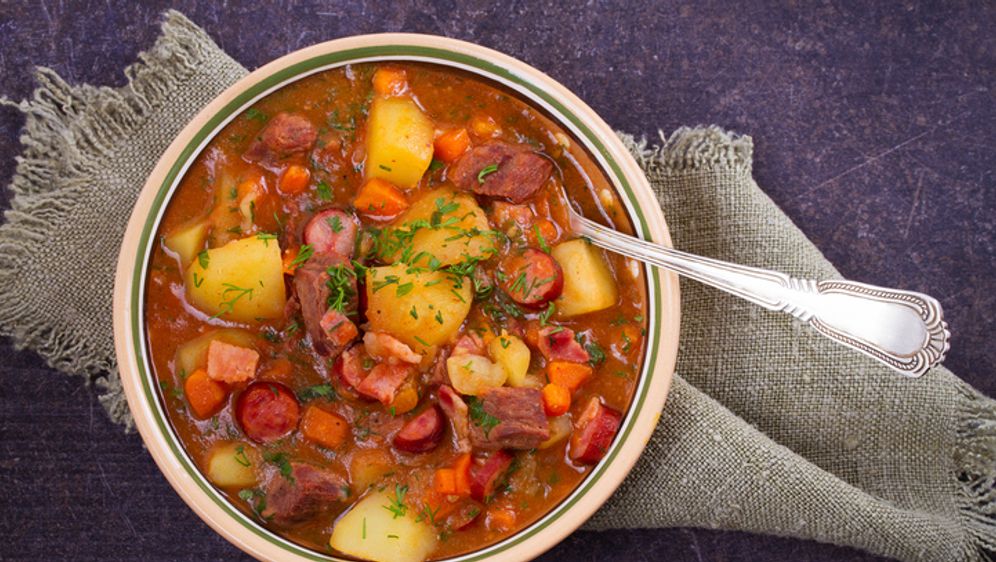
(769, 428)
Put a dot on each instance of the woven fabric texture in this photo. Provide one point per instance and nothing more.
(769, 427)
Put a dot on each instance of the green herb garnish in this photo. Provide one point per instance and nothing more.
(485, 171)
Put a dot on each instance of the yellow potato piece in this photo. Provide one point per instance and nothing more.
(187, 240)
(422, 309)
(233, 465)
(447, 225)
(242, 281)
(512, 354)
(588, 282)
(371, 532)
(399, 141)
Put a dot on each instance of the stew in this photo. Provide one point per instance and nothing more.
(373, 328)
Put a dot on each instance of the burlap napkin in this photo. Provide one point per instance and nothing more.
(769, 428)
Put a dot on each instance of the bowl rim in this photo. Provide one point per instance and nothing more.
(539, 89)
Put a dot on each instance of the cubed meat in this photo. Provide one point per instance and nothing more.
(311, 285)
(303, 494)
(499, 169)
(593, 432)
(508, 418)
(231, 363)
(389, 349)
(349, 366)
(284, 135)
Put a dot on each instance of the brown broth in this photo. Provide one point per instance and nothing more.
(337, 98)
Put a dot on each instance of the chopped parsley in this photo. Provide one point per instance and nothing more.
(383, 167)
(596, 355)
(413, 312)
(324, 391)
(281, 461)
(204, 259)
(485, 171)
(323, 191)
(255, 115)
(436, 165)
(240, 456)
(542, 241)
(336, 223)
(304, 254)
(481, 418)
(397, 506)
(544, 316)
(236, 293)
(342, 286)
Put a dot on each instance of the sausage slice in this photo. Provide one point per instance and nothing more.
(267, 411)
(422, 433)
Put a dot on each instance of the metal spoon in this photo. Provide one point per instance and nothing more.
(902, 329)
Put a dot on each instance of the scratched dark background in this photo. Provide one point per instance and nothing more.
(873, 128)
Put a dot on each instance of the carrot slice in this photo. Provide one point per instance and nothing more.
(451, 144)
(294, 179)
(567, 374)
(205, 395)
(380, 200)
(461, 469)
(556, 400)
(389, 81)
(324, 428)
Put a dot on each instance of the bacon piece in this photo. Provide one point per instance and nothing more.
(383, 381)
(468, 344)
(387, 348)
(231, 363)
(558, 343)
(339, 330)
(456, 410)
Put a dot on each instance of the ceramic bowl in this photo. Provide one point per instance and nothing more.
(539, 89)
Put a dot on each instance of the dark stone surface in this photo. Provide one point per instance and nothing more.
(873, 128)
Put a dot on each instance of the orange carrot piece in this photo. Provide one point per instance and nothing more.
(461, 468)
(444, 481)
(205, 395)
(567, 374)
(324, 428)
(451, 144)
(379, 199)
(294, 179)
(556, 400)
(389, 81)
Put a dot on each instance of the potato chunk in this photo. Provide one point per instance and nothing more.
(588, 282)
(371, 532)
(241, 281)
(233, 465)
(512, 354)
(473, 374)
(448, 226)
(399, 141)
(187, 240)
(422, 309)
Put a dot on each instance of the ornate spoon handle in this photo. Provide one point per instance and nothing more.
(903, 329)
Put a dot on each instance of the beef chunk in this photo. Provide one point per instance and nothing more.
(284, 135)
(307, 492)
(456, 410)
(518, 172)
(508, 418)
(328, 336)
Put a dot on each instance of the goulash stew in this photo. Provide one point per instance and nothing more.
(372, 325)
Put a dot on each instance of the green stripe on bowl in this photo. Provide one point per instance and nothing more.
(323, 62)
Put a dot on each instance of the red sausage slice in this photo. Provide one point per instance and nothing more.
(593, 432)
(267, 411)
(484, 478)
(422, 433)
(532, 278)
(332, 232)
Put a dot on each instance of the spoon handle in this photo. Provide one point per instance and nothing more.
(903, 329)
